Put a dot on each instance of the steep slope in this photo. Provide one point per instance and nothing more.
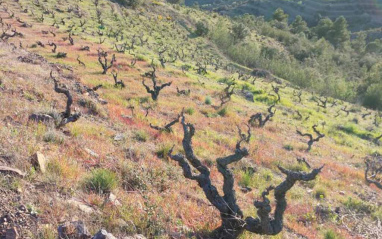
(114, 132)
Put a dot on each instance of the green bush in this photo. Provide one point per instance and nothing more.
(208, 100)
(61, 55)
(330, 234)
(141, 136)
(131, 3)
(353, 129)
(246, 178)
(189, 111)
(201, 29)
(163, 150)
(223, 112)
(53, 137)
(373, 97)
(101, 181)
(288, 147)
(359, 206)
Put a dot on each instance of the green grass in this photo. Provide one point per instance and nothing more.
(353, 129)
(189, 111)
(101, 181)
(141, 136)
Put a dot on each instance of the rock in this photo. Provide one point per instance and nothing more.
(83, 207)
(11, 234)
(102, 101)
(113, 199)
(103, 234)
(41, 118)
(137, 236)
(75, 230)
(248, 96)
(119, 137)
(11, 171)
(91, 153)
(39, 161)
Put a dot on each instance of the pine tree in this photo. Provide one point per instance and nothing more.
(299, 25)
(280, 15)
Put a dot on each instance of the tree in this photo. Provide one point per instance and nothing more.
(335, 32)
(280, 15)
(232, 218)
(374, 46)
(299, 25)
(323, 27)
(359, 44)
(239, 32)
(201, 29)
(373, 96)
(339, 34)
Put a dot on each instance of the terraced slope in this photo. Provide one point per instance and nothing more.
(113, 146)
(360, 14)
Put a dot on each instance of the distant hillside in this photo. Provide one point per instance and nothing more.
(361, 14)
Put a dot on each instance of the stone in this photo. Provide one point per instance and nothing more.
(137, 236)
(11, 234)
(102, 101)
(83, 207)
(75, 229)
(92, 153)
(39, 161)
(14, 171)
(113, 199)
(119, 137)
(103, 234)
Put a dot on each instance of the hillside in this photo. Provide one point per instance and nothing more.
(361, 15)
(110, 169)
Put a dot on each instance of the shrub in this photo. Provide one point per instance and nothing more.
(359, 206)
(189, 111)
(320, 193)
(131, 179)
(131, 3)
(201, 29)
(163, 150)
(373, 96)
(223, 112)
(101, 181)
(208, 100)
(288, 147)
(330, 234)
(246, 178)
(61, 55)
(141, 136)
(53, 137)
